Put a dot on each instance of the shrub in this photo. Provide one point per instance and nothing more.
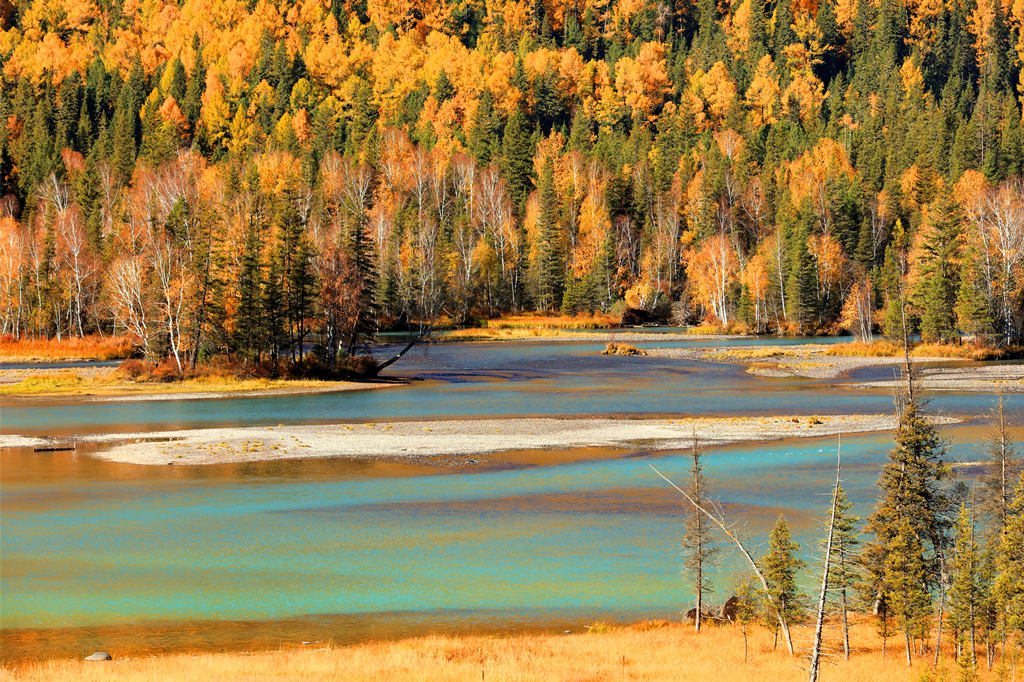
(622, 349)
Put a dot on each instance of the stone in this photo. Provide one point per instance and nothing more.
(98, 656)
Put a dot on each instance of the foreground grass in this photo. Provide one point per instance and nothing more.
(644, 652)
(92, 347)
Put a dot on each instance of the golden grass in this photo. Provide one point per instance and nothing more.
(622, 349)
(112, 383)
(888, 348)
(541, 321)
(92, 347)
(645, 652)
(878, 348)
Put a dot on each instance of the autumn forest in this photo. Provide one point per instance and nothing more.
(255, 177)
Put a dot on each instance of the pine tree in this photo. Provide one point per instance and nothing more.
(843, 573)
(937, 287)
(517, 158)
(1009, 586)
(906, 577)
(550, 256)
(912, 515)
(1000, 471)
(698, 551)
(483, 136)
(780, 567)
(802, 287)
(964, 592)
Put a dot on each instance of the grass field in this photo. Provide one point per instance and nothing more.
(91, 347)
(646, 652)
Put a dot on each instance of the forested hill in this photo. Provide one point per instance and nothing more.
(237, 175)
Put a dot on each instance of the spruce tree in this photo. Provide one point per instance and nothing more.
(843, 570)
(780, 567)
(1009, 584)
(517, 158)
(550, 257)
(937, 287)
(698, 551)
(483, 136)
(907, 575)
(1000, 471)
(964, 592)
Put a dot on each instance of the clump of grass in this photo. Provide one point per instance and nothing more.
(622, 349)
(90, 347)
(877, 348)
(541, 321)
(54, 382)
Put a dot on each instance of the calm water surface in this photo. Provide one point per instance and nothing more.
(235, 556)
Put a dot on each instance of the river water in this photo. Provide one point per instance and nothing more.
(144, 559)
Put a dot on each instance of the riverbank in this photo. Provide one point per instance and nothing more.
(821, 361)
(455, 442)
(111, 384)
(651, 652)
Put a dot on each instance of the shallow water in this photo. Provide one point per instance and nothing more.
(497, 379)
(234, 556)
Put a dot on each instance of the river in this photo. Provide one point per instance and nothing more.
(148, 559)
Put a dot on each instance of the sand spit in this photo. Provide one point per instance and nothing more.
(998, 378)
(461, 438)
(804, 360)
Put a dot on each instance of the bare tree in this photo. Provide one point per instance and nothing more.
(719, 521)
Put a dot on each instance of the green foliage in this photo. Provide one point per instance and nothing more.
(780, 566)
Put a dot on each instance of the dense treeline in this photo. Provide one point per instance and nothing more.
(940, 566)
(240, 176)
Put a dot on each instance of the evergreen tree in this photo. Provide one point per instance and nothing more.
(937, 287)
(802, 287)
(1000, 471)
(843, 572)
(698, 551)
(906, 578)
(780, 567)
(483, 136)
(1009, 585)
(964, 592)
(550, 256)
(517, 158)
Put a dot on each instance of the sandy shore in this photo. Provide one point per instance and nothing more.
(804, 360)
(1003, 377)
(457, 438)
(107, 384)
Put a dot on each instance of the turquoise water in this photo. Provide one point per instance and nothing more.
(499, 379)
(164, 558)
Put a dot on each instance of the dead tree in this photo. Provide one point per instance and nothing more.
(718, 521)
(819, 620)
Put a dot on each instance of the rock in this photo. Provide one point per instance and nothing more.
(730, 609)
(98, 656)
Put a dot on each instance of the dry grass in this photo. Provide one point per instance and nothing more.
(878, 348)
(113, 383)
(92, 347)
(886, 348)
(530, 326)
(642, 652)
(622, 349)
(541, 321)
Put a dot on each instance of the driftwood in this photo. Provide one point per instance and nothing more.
(726, 613)
(419, 337)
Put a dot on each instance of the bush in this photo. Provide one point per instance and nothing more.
(622, 349)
